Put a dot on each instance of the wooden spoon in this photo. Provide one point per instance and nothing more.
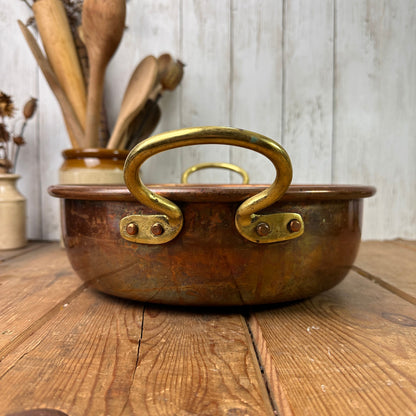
(137, 92)
(54, 30)
(102, 27)
(143, 127)
(170, 73)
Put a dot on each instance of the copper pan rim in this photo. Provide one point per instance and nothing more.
(207, 193)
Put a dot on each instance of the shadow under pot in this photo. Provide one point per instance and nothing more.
(92, 166)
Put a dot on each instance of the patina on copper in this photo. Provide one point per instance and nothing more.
(211, 245)
(209, 262)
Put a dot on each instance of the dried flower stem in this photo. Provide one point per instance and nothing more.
(27, 3)
(10, 143)
(16, 154)
(16, 149)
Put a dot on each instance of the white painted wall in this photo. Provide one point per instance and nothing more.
(333, 81)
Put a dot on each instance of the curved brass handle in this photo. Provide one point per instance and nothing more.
(161, 228)
(221, 165)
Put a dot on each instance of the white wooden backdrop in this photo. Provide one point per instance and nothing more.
(333, 81)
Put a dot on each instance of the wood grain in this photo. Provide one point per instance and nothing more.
(308, 88)
(32, 284)
(391, 265)
(373, 115)
(372, 84)
(406, 243)
(81, 362)
(9, 254)
(19, 78)
(348, 351)
(196, 363)
(205, 87)
(150, 36)
(256, 79)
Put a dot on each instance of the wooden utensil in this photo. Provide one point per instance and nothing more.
(137, 92)
(169, 75)
(102, 27)
(143, 128)
(68, 112)
(56, 35)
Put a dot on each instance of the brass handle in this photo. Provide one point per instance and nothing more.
(161, 228)
(221, 165)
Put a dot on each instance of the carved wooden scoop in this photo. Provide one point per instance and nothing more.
(102, 27)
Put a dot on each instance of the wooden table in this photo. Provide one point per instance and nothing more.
(348, 351)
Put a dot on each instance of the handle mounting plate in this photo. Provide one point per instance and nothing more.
(278, 228)
(146, 226)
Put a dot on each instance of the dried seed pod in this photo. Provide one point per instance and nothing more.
(30, 108)
(170, 71)
(19, 140)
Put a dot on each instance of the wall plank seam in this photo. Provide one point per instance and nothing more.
(231, 78)
(334, 83)
(39, 201)
(283, 88)
(181, 90)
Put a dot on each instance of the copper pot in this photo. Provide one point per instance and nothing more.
(212, 244)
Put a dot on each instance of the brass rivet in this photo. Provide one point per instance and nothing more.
(263, 229)
(132, 229)
(157, 229)
(294, 226)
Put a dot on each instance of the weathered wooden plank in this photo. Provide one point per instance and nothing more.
(9, 254)
(256, 79)
(196, 363)
(205, 98)
(308, 88)
(406, 243)
(53, 139)
(350, 350)
(85, 351)
(153, 28)
(32, 285)
(374, 123)
(82, 362)
(390, 264)
(18, 74)
(374, 59)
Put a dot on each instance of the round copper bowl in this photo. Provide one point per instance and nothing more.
(212, 244)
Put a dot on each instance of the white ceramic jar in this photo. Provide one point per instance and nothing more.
(12, 213)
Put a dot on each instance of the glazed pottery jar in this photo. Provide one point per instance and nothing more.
(12, 213)
(92, 166)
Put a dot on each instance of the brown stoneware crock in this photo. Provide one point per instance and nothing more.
(92, 166)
